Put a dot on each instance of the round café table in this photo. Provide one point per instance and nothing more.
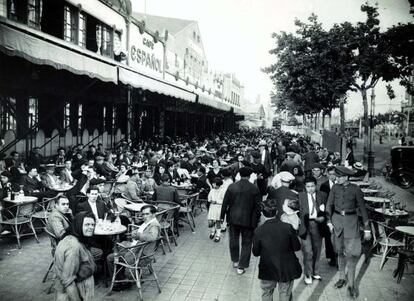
(135, 207)
(62, 188)
(110, 230)
(21, 199)
(376, 199)
(360, 183)
(394, 213)
(369, 191)
(408, 231)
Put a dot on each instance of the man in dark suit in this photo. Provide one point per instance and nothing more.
(265, 157)
(311, 211)
(326, 187)
(272, 241)
(165, 192)
(33, 186)
(310, 158)
(241, 206)
(95, 205)
(345, 203)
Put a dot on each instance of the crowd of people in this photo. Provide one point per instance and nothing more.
(278, 192)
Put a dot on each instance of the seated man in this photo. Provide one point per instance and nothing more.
(33, 186)
(360, 172)
(95, 204)
(66, 175)
(59, 219)
(134, 185)
(49, 179)
(165, 192)
(148, 231)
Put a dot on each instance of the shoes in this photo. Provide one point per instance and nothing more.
(211, 235)
(235, 265)
(223, 229)
(217, 239)
(240, 271)
(353, 292)
(340, 283)
(308, 280)
(317, 277)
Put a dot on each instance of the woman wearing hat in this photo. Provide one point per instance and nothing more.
(74, 265)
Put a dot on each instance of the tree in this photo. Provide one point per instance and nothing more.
(311, 74)
(370, 58)
(400, 44)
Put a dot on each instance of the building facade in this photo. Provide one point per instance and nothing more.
(86, 71)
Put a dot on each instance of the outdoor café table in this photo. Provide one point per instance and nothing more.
(361, 183)
(112, 231)
(135, 207)
(21, 200)
(376, 199)
(369, 191)
(395, 213)
(62, 187)
(183, 188)
(407, 230)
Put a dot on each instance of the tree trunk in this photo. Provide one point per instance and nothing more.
(342, 118)
(330, 120)
(366, 129)
(323, 120)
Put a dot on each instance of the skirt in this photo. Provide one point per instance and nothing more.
(214, 212)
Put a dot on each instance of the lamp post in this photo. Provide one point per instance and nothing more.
(371, 154)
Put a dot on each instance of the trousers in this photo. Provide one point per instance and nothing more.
(241, 256)
(268, 287)
(311, 248)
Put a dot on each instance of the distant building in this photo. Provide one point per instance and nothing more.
(186, 61)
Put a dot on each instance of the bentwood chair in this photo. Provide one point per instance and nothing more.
(135, 260)
(387, 238)
(43, 208)
(186, 211)
(18, 217)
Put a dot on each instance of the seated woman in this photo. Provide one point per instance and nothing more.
(148, 231)
(74, 265)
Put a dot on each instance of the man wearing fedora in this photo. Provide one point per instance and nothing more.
(345, 202)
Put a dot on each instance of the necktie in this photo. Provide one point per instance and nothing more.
(313, 204)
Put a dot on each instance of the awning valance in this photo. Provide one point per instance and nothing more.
(211, 102)
(43, 49)
(139, 80)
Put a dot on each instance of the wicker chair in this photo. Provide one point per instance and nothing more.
(16, 217)
(186, 211)
(135, 260)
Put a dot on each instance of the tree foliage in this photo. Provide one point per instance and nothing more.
(311, 74)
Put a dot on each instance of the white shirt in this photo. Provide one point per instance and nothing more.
(310, 204)
(52, 180)
(94, 209)
(331, 184)
(263, 156)
(145, 225)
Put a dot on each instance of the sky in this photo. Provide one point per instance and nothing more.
(236, 34)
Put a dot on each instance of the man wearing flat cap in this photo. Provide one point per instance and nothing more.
(241, 206)
(345, 201)
(283, 192)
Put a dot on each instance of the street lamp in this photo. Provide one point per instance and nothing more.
(371, 154)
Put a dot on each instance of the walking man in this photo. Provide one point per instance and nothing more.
(345, 201)
(241, 206)
(276, 243)
(311, 211)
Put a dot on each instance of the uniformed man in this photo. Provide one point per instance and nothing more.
(345, 201)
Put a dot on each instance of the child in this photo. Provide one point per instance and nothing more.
(215, 200)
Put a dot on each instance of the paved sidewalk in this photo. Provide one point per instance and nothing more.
(198, 269)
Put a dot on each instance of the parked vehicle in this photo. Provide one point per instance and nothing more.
(402, 165)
